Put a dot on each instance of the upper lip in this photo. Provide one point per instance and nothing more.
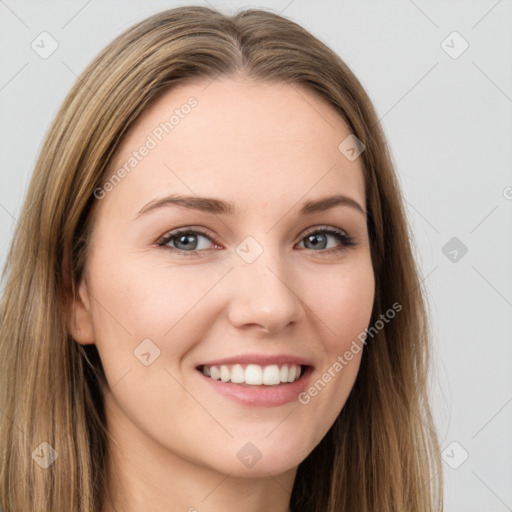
(260, 359)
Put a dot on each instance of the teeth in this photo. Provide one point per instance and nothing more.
(271, 375)
(237, 374)
(214, 372)
(254, 374)
(224, 374)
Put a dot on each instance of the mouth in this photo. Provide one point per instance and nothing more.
(258, 380)
(254, 375)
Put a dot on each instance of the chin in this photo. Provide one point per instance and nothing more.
(259, 459)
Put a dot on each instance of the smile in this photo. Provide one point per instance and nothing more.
(254, 385)
(254, 374)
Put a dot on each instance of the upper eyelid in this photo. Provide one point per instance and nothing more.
(199, 230)
(326, 227)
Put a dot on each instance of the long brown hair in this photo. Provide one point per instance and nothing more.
(382, 452)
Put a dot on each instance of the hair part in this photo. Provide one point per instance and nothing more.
(382, 452)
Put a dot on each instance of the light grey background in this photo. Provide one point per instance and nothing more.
(449, 124)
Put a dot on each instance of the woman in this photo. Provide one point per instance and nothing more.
(211, 299)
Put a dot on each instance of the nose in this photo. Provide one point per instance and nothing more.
(264, 296)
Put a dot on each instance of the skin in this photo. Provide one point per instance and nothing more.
(266, 148)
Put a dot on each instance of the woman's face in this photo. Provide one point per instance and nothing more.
(257, 286)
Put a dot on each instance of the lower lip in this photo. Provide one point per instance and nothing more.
(261, 396)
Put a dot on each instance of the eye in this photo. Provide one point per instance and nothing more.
(185, 240)
(318, 239)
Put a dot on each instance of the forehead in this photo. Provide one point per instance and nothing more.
(230, 138)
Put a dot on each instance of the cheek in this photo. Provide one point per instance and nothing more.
(147, 301)
(135, 302)
(342, 301)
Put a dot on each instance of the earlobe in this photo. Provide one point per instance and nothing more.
(77, 307)
(80, 323)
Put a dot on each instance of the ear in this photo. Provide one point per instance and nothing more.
(80, 319)
(78, 311)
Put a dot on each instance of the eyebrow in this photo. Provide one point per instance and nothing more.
(218, 206)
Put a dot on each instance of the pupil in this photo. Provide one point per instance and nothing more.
(314, 239)
(187, 240)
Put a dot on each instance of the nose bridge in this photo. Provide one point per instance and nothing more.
(263, 293)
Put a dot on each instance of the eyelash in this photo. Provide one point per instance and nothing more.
(346, 241)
